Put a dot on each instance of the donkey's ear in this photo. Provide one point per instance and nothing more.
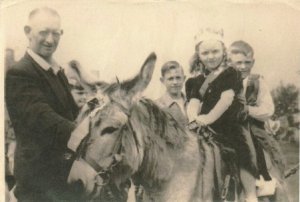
(141, 81)
(84, 79)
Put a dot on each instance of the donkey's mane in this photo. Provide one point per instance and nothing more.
(151, 144)
(160, 123)
(162, 137)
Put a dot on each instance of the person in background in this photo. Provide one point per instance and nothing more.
(10, 139)
(9, 58)
(213, 104)
(42, 112)
(259, 108)
(174, 101)
(78, 92)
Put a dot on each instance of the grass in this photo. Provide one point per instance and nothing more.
(291, 152)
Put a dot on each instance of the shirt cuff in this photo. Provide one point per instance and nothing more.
(258, 114)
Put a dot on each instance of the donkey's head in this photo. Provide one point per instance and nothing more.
(108, 124)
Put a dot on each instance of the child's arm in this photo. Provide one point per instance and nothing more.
(193, 108)
(265, 106)
(222, 105)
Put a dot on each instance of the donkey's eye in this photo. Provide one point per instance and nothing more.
(108, 130)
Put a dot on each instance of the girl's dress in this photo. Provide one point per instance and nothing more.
(230, 131)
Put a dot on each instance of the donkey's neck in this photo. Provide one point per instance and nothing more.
(171, 155)
(179, 175)
(159, 136)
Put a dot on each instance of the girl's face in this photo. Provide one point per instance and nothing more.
(211, 53)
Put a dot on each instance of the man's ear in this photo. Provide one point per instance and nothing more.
(27, 30)
(162, 80)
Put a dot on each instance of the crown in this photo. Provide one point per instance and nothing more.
(208, 34)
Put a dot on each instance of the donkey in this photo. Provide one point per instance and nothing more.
(151, 147)
(131, 137)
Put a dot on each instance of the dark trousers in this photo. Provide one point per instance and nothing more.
(261, 161)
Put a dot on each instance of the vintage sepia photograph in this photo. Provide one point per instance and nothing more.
(150, 100)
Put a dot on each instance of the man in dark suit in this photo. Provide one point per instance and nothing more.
(42, 112)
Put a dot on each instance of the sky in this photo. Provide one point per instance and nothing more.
(115, 37)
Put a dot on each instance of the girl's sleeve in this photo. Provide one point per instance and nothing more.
(232, 81)
(194, 86)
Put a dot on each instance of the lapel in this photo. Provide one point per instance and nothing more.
(64, 79)
(44, 74)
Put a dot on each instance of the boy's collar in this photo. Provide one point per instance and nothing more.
(168, 100)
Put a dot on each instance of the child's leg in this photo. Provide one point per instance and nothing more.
(248, 182)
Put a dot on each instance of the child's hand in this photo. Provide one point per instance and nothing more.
(243, 114)
(193, 125)
(201, 121)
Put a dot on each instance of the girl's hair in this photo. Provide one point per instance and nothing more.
(196, 62)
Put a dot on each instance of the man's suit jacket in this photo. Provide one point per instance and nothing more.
(42, 115)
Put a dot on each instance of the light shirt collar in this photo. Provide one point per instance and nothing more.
(43, 63)
(181, 102)
(169, 100)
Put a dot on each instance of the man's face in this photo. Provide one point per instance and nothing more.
(173, 80)
(211, 54)
(242, 63)
(44, 33)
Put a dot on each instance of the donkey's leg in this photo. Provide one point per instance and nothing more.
(248, 182)
(208, 174)
(281, 192)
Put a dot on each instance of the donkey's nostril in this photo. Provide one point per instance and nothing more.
(78, 186)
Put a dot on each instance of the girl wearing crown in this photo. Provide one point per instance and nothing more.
(213, 104)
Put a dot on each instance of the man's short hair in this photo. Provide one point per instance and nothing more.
(48, 10)
(241, 47)
(168, 66)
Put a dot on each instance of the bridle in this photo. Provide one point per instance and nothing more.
(103, 174)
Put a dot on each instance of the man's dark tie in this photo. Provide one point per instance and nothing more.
(51, 72)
